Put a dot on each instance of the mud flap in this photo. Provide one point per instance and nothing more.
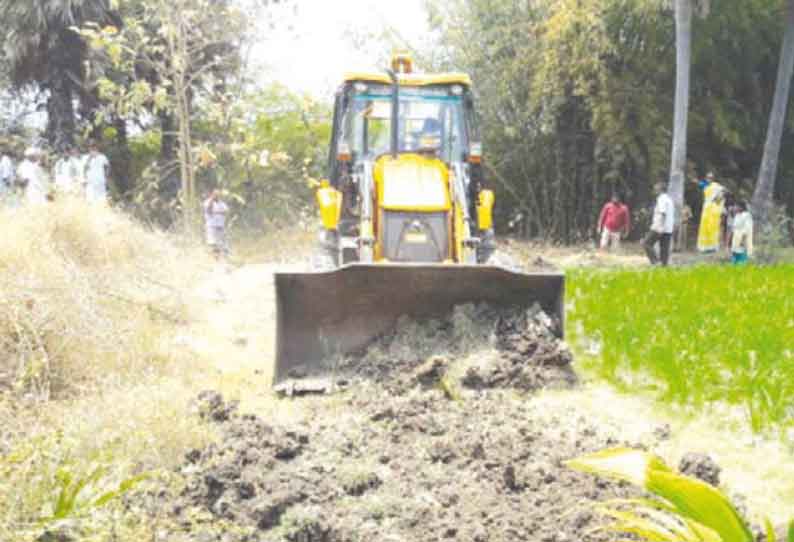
(323, 315)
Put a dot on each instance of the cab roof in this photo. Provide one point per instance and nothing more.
(411, 79)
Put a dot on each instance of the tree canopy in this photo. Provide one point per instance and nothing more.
(576, 99)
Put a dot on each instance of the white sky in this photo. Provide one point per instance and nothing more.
(313, 54)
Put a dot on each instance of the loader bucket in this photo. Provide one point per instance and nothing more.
(323, 314)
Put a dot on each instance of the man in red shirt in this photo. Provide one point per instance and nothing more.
(613, 223)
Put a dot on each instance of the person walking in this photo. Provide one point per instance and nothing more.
(97, 171)
(662, 225)
(613, 223)
(709, 231)
(215, 211)
(742, 239)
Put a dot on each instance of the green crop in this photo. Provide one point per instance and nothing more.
(696, 335)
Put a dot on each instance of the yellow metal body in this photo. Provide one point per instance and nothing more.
(485, 210)
(411, 79)
(411, 183)
(322, 314)
(329, 202)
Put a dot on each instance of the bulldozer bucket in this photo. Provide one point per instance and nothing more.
(324, 314)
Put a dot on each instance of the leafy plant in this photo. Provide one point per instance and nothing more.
(684, 509)
(78, 493)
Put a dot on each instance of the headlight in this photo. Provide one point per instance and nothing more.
(360, 87)
(456, 90)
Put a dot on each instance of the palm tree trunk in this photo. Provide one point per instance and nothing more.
(765, 186)
(61, 124)
(683, 47)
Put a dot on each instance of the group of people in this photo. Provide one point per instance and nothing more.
(35, 181)
(730, 223)
(724, 220)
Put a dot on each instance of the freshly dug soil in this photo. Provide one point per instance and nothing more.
(416, 467)
(487, 347)
(430, 442)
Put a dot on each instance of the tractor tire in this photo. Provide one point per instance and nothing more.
(322, 260)
(500, 258)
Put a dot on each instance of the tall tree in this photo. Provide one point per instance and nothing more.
(42, 49)
(174, 56)
(765, 186)
(683, 62)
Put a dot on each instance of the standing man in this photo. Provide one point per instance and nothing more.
(215, 210)
(613, 223)
(6, 174)
(97, 171)
(33, 178)
(662, 225)
(66, 173)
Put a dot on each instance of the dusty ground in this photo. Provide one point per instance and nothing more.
(408, 461)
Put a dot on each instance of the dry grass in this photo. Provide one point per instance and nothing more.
(84, 294)
(287, 245)
(89, 374)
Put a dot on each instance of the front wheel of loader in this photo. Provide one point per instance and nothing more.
(500, 258)
(326, 253)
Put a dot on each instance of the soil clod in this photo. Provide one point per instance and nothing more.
(702, 467)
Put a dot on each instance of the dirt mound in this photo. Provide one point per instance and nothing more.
(486, 347)
(412, 467)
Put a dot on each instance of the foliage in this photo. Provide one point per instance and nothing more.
(576, 99)
(42, 52)
(267, 148)
(707, 334)
(686, 509)
(172, 55)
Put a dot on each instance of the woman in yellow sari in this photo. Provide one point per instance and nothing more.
(711, 216)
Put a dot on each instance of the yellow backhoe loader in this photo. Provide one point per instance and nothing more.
(407, 225)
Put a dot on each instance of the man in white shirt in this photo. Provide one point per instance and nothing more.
(215, 211)
(97, 171)
(662, 225)
(33, 177)
(6, 174)
(67, 173)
